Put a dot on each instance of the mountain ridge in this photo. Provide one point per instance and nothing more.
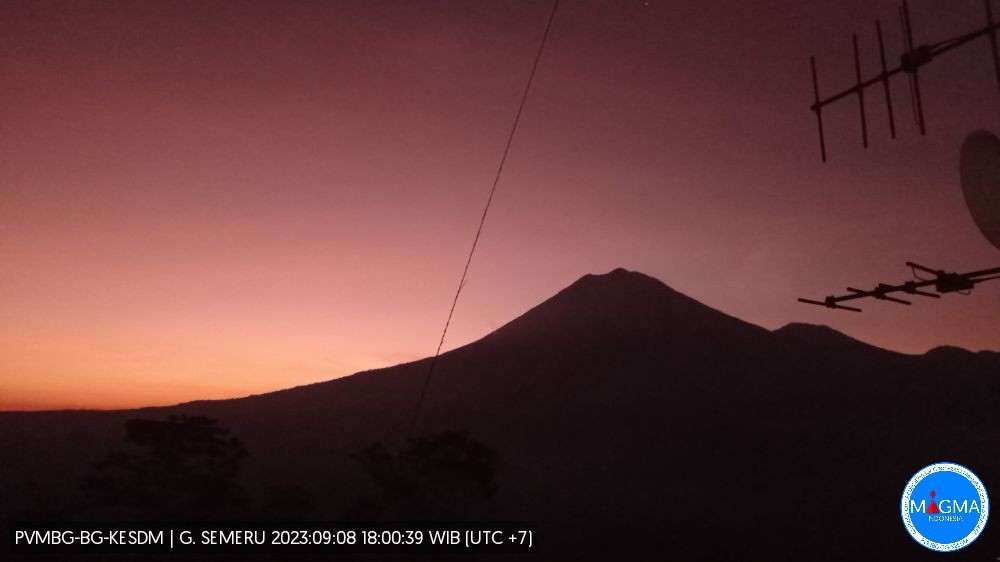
(618, 404)
(601, 295)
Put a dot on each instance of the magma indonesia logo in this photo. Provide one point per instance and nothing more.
(945, 507)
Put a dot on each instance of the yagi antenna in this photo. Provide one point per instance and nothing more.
(943, 282)
(913, 58)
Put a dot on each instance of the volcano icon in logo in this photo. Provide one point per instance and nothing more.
(945, 507)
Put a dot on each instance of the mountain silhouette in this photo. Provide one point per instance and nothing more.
(631, 422)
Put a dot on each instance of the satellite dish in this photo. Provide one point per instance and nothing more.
(980, 169)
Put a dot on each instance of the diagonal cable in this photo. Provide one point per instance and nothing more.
(482, 222)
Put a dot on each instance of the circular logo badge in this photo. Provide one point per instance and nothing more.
(945, 507)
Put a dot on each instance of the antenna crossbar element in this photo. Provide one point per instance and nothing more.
(818, 109)
(993, 39)
(885, 79)
(829, 302)
(942, 281)
(911, 61)
(861, 92)
(914, 57)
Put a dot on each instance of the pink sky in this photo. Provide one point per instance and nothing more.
(212, 199)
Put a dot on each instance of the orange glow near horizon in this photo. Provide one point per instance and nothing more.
(210, 200)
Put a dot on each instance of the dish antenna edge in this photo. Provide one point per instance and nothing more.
(980, 173)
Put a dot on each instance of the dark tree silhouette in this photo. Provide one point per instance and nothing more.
(444, 475)
(181, 467)
(287, 502)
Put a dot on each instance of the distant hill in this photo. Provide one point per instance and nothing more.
(632, 422)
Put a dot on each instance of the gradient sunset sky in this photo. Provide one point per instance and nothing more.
(207, 199)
